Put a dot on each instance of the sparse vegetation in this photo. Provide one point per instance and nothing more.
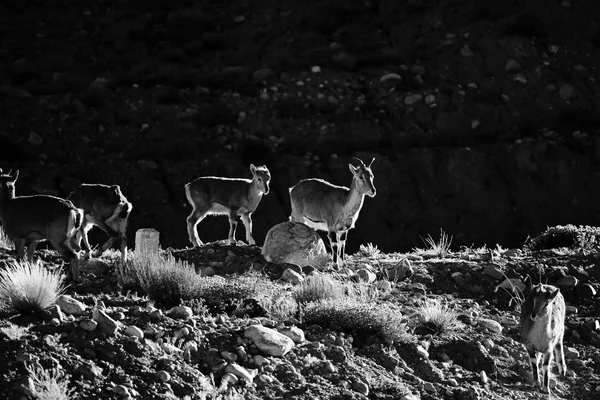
(357, 318)
(162, 277)
(437, 317)
(15, 332)
(29, 287)
(5, 241)
(369, 250)
(319, 287)
(579, 237)
(49, 384)
(439, 249)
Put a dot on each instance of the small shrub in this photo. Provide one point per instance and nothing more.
(49, 384)
(369, 250)
(437, 317)
(29, 287)
(280, 307)
(162, 277)
(439, 249)
(358, 318)
(5, 241)
(319, 287)
(581, 237)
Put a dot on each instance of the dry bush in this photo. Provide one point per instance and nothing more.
(439, 249)
(319, 287)
(437, 317)
(29, 287)
(49, 384)
(5, 241)
(361, 319)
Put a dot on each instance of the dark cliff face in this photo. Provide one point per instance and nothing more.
(482, 115)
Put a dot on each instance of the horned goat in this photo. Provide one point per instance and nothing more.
(327, 207)
(212, 195)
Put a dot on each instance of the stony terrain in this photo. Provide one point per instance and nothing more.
(482, 115)
(163, 352)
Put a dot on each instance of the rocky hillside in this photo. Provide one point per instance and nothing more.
(482, 115)
(109, 343)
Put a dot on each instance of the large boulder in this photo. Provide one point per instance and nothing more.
(295, 243)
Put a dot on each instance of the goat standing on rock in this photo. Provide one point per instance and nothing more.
(327, 207)
(211, 195)
(28, 220)
(542, 330)
(105, 207)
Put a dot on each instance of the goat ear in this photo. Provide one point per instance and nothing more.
(554, 293)
(252, 169)
(353, 169)
(15, 176)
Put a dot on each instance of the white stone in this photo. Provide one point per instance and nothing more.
(490, 325)
(89, 325)
(294, 333)
(69, 305)
(147, 241)
(268, 340)
(241, 372)
(134, 331)
(105, 323)
(295, 243)
(181, 312)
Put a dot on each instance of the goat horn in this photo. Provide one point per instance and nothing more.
(359, 161)
(371, 163)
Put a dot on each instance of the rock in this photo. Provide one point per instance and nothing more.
(294, 243)
(384, 285)
(513, 283)
(121, 390)
(567, 281)
(294, 333)
(89, 371)
(163, 376)
(241, 372)
(466, 51)
(494, 272)
(428, 387)
(490, 325)
(430, 99)
(366, 275)
(571, 353)
(512, 66)
(35, 139)
(344, 61)
(361, 387)
(399, 271)
(207, 271)
(293, 277)
(412, 99)
(180, 312)
(134, 331)
(105, 323)
(422, 352)
(567, 92)
(571, 310)
(484, 377)
(263, 74)
(390, 80)
(69, 305)
(89, 325)
(268, 340)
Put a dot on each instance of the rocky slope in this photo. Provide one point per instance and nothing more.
(144, 350)
(482, 115)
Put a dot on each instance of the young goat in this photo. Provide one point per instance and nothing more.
(28, 220)
(234, 197)
(105, 207)
(542, 331)
(323, 206)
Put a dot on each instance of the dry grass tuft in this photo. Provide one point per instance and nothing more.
(49, 384)
(437, 317)
(29, 287)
